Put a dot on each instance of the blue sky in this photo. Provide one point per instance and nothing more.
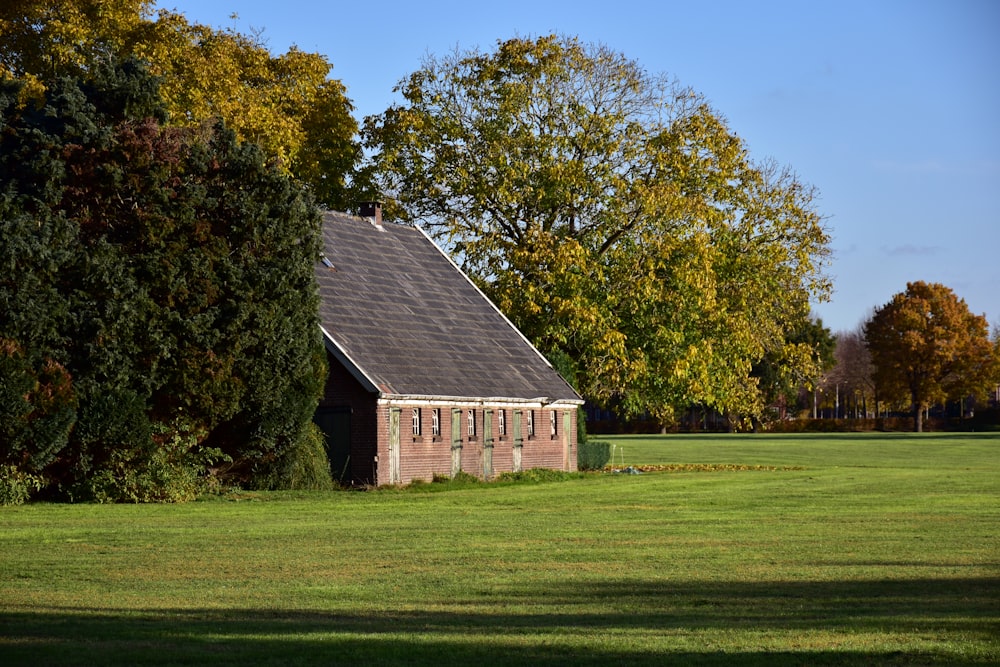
(890, 108)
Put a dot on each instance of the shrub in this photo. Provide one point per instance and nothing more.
(461, 478)
(150, 273)
(303, 466)
(593, 455)
(16, 486)
(173, 469)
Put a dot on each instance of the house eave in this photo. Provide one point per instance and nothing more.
(540, 402)
(347, 362)
(388, 398)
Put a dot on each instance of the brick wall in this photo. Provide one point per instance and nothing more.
(342, 391)
(423, 456)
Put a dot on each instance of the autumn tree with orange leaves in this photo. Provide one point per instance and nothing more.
(926, 346)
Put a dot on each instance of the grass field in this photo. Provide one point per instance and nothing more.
(838, 549)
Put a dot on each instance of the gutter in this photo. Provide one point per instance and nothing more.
(464, 401)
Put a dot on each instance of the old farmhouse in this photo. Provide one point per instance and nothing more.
(427, 377)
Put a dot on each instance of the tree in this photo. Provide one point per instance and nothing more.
(853, 373)
(927, 347)
(800, 363)
(286, 103)
(610, 213)
(158, 279)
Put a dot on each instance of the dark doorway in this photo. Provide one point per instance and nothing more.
(336, 426)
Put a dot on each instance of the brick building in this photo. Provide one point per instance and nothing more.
(427, 376)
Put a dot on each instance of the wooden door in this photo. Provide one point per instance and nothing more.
(336, 426)
(394, 473)
(518, 441)
(567, 425)
(456, 442)
(487, 444)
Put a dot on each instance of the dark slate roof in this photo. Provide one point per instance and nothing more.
(407, 321)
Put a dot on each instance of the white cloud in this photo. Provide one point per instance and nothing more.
(910, 250)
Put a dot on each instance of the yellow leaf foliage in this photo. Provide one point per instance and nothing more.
(612, 214)
(285, 103)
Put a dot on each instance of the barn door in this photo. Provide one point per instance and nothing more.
(567, 425)
(336, 426)
(487, 444)
(456, 442)
(518, 441)
(394, 475)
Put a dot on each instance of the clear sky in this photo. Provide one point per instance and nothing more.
(891, 108)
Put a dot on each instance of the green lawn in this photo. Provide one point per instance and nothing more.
(846, 549)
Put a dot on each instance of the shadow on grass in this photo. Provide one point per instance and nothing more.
(951, 621)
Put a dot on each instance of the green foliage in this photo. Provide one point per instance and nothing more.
(303, 466)
(172, 468)
(799, 362)
(17, 486)
(462, 478)
(927, 347)
(611, 214)
(840, 425)
(37, 409)
(174, 276)
(593, 455)
(537, 475)
(284, 103)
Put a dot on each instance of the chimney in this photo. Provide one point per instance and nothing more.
(373, 211)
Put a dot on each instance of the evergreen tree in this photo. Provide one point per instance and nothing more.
(164, 273)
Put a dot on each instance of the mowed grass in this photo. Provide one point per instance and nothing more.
(857, 549)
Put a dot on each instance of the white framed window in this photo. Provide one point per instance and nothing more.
(472, 423)
(416, 421)
(502, 422)
(531, 423)
(552, 423)
(436, 421)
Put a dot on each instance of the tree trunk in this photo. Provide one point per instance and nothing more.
(918, 418)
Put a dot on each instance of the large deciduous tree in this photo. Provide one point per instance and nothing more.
(286, 103)
(611, 214)
(927, 347)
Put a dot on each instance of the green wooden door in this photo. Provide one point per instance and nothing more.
(336, 426)
(487, 444)
(567, 426)
(518, 441)
(394, 472)
(456, 442)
